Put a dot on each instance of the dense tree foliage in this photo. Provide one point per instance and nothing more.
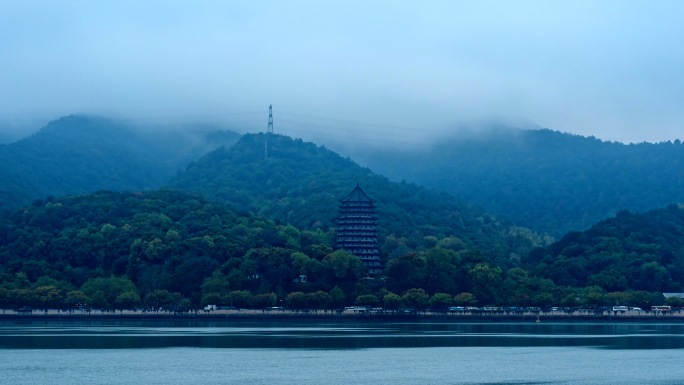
(630, 251)
(174, 250)
(301, 184)
(79, 154)
(162, 248)
(545, 180)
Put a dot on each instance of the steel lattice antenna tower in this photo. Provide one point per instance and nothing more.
(270, 118)
(269, 131)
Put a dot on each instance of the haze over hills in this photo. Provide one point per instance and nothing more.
(548, 181)
(300, 183)
(78, 154)
(429, 239)
(545, 180)
(173, 247)
(9, 133)
(371, 75)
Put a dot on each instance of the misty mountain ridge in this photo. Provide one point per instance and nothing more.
(78, 154)
(549, 181)
(8, 135)
(301, 183)
(546, 180)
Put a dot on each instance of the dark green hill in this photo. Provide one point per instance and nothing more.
(629, 251)
(78, 154)
(300, 184)
(166, 248)
(151, 243)
(545, 180)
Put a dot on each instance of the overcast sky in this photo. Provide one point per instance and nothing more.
(404, 69)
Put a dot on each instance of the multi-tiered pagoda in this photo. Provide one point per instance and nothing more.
(357, 229)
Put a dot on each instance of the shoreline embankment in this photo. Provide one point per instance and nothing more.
(335, 316)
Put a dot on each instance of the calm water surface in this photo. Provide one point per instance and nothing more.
(340, 353)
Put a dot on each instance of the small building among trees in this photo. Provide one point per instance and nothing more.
(357, 230)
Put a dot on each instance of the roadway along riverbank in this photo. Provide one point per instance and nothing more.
(237, 314)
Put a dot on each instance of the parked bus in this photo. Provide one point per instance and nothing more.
(662, 308)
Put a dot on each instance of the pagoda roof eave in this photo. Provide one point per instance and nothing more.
(356, 195)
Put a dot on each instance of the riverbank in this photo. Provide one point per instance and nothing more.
(329, 315)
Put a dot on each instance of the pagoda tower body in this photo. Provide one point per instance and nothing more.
(357, 230)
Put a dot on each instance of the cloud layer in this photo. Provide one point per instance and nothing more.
(392, 70)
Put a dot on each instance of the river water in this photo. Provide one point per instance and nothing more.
(314, 352)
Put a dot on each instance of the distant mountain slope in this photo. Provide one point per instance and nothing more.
(78, 154)
(546, 180)
(636, 251)
(301, 183)
(9, 134)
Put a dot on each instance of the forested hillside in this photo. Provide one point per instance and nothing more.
(177, 250)
(167, 248)
(78, 154)
(637, 251)
(300, 184)
(160, 246)
(545, 180)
